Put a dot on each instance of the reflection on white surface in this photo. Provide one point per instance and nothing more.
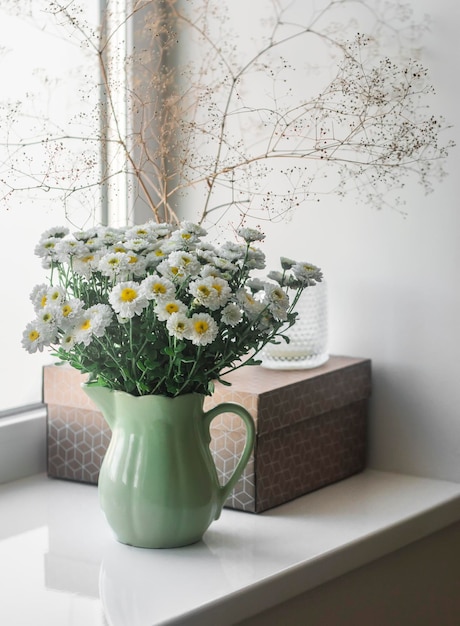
(60, 565)
(26, 596)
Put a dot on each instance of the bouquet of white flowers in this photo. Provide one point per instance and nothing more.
(155, 309)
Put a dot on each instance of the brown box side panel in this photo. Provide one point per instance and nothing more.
(309, 455)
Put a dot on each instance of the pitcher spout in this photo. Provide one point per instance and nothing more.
(104, 399)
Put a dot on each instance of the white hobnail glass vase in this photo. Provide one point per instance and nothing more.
(308, 336)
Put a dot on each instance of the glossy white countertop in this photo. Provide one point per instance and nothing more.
(60, 566)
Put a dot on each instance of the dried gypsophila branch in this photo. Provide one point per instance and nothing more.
(196, 126)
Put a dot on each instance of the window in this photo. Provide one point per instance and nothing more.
(43, 72)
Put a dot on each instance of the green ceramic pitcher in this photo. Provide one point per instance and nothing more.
(158, 485)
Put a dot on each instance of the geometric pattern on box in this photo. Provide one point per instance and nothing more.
(77, 443)
(310, 429)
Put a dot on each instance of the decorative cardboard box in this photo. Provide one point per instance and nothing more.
(311, 429)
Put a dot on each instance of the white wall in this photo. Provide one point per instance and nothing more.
(394, 291)
(393, 284)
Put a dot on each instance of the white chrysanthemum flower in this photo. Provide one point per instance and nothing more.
(276, 276)
(306, 273)
(188, 233)
(35, 337)
(86, 235)
(232, 251)
(55, 295)
(193, 228)
(173, 272)
(278, 301)
(155, 256)
(205, 254)
(113, 264)
(251, 234)
(138, 245)
(68, 341)
(85, 265)
(45, 249)
(100, 316)
(57, 232)
(212, 292)
(165, 307)
(225, 265)
(155, 286)
(83, 330)
(68, 311)
(203, 329)
(256, 284)
(150, 231)
(38, 296)
(109, 235)
(210, 270)
(128, 299)
(67, 248)
(47, 319)
(178, 325)
(231, 315)
(251, 306)
(136, 264)
(187, 262)
(255, 259)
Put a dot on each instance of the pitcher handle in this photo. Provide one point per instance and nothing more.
(232, 407)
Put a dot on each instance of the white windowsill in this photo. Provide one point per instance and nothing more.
(246, 564)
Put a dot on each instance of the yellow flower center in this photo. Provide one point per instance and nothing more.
(128, 294)
(186, 235)
(34, 335)
(55, 296)
(171, 307)
(66, 310)
(217, 287)
(174, 270)
(204, 290)
(88, 258)
(201, 327)
(47, 317)
(133, 259)
(113, 261)
(158, 288)
(119, 249)
(159, 253)
(85, 325)
(43, 301)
